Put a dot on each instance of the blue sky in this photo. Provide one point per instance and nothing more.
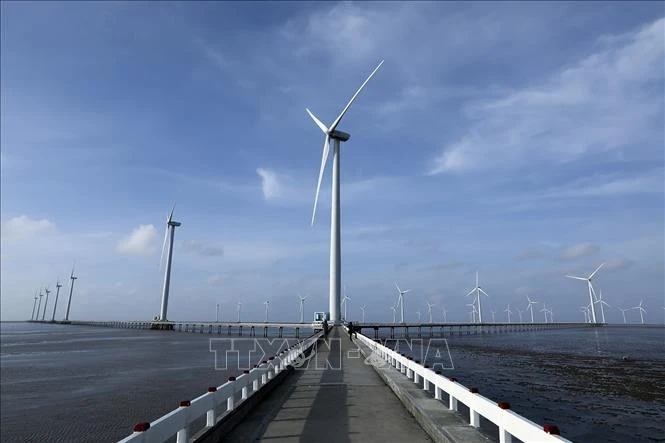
(524, 140)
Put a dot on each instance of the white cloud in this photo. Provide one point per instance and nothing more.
(616, 264)
(579, 250)
(650, 183)
(140, 242)
(271, 185)
(609, 101)
(24, 226)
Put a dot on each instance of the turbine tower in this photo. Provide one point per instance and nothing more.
(478, 290)
(302, 308)
(429, 310)
(267, 303)
(363, 308)
(591, 291)
(57, 293)
(530, 306)
(238, 307)
(394, 313)
(519, 312)
(71, 290)
(217, 317)
(345, 302)
(45, 302)
(34, 305)
(623, 312)
(168, 234)
(335, 238)
(545, 311)
(400, 300)
(419, 314)
(445, 316)
(509, 312)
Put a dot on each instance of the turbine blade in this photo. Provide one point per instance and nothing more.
(346, 108)
(405, 291)
(171, 214)
(471, 292)
(398, 289)
(576, 278)
(324, 159)
(481, 290)
(318, 122)
(597, 269)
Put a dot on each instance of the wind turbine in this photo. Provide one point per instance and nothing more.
(493, 319)
(394, 313)
(473, 312)
(642, 310)
(362, 308)
(217, 313)
(45, 302)
(545, 311)
(530, 306)
(551, 315)
(419, 314)
(584, 310)
(519, 312)
(39, 306)
(509, 312)
(400, 300)
(331, 132)
(169, 233)
(238, 308)
(623, 312)
(34, 305)
(444, 312)
(429, 310)
(57, 294)
(478, 290)
(71, 290)
(345, 302)
(267, 303)
(591, 291)
(302, 308)
(602, 302)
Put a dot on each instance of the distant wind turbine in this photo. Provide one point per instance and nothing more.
(239, 306)
(418, 313)
(217, 317)
(400, 300)
(302, 308)
(267, 303)
(473, 312)
(584, 310)
(72, 279)
(445, 316)
(478, 290)
(57, 294)
(34, 305)
(591, 291)
(345, 302)
(519, 312)
(39, 306)
(493, 318)
(530, 306)
(545, 311)
(394, 313)
(623, 312)
(643, 311)
(509, 312)
(46, 302)
(363, 308)
(602, 302)
(429, 310)
(331, 132)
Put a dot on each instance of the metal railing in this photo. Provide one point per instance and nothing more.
(231, 394)
(510, 424)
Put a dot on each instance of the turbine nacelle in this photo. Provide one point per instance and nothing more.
(339, 135)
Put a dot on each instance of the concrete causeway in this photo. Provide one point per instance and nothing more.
(337, 398)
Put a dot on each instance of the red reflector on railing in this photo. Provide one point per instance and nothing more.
(212, 389)
(452, 379)
(473, 390)
(551, 429)
(504, 405)
(232, 378)
(141, 427)
(185, 403)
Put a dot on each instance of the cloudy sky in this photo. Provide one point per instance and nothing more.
(522, 140)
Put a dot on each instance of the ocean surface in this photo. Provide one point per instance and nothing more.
(574, 378)
(79, 384)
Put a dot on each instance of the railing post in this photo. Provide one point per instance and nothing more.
(210, 415)
(182, 436)
(244, 388)
(504, 436)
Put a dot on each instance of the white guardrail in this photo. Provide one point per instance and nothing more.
(178, 421)
(510, 423)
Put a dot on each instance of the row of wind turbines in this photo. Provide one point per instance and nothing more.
(37, 308)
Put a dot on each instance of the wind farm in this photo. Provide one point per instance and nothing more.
(485, 261)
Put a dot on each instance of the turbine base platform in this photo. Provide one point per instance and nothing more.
(162, 325)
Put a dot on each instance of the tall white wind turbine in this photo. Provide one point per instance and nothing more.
(545, 310)
(331, 132)
(57, 294)
(302, 308)
(429, 310)
(400, 300)
(478, 290)
(72, 279)
(591, 291)
(602, 302)
(345, 302)
(473, 312)
(623, 312)
(168, 235)
(530, 306)
(509, 312)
